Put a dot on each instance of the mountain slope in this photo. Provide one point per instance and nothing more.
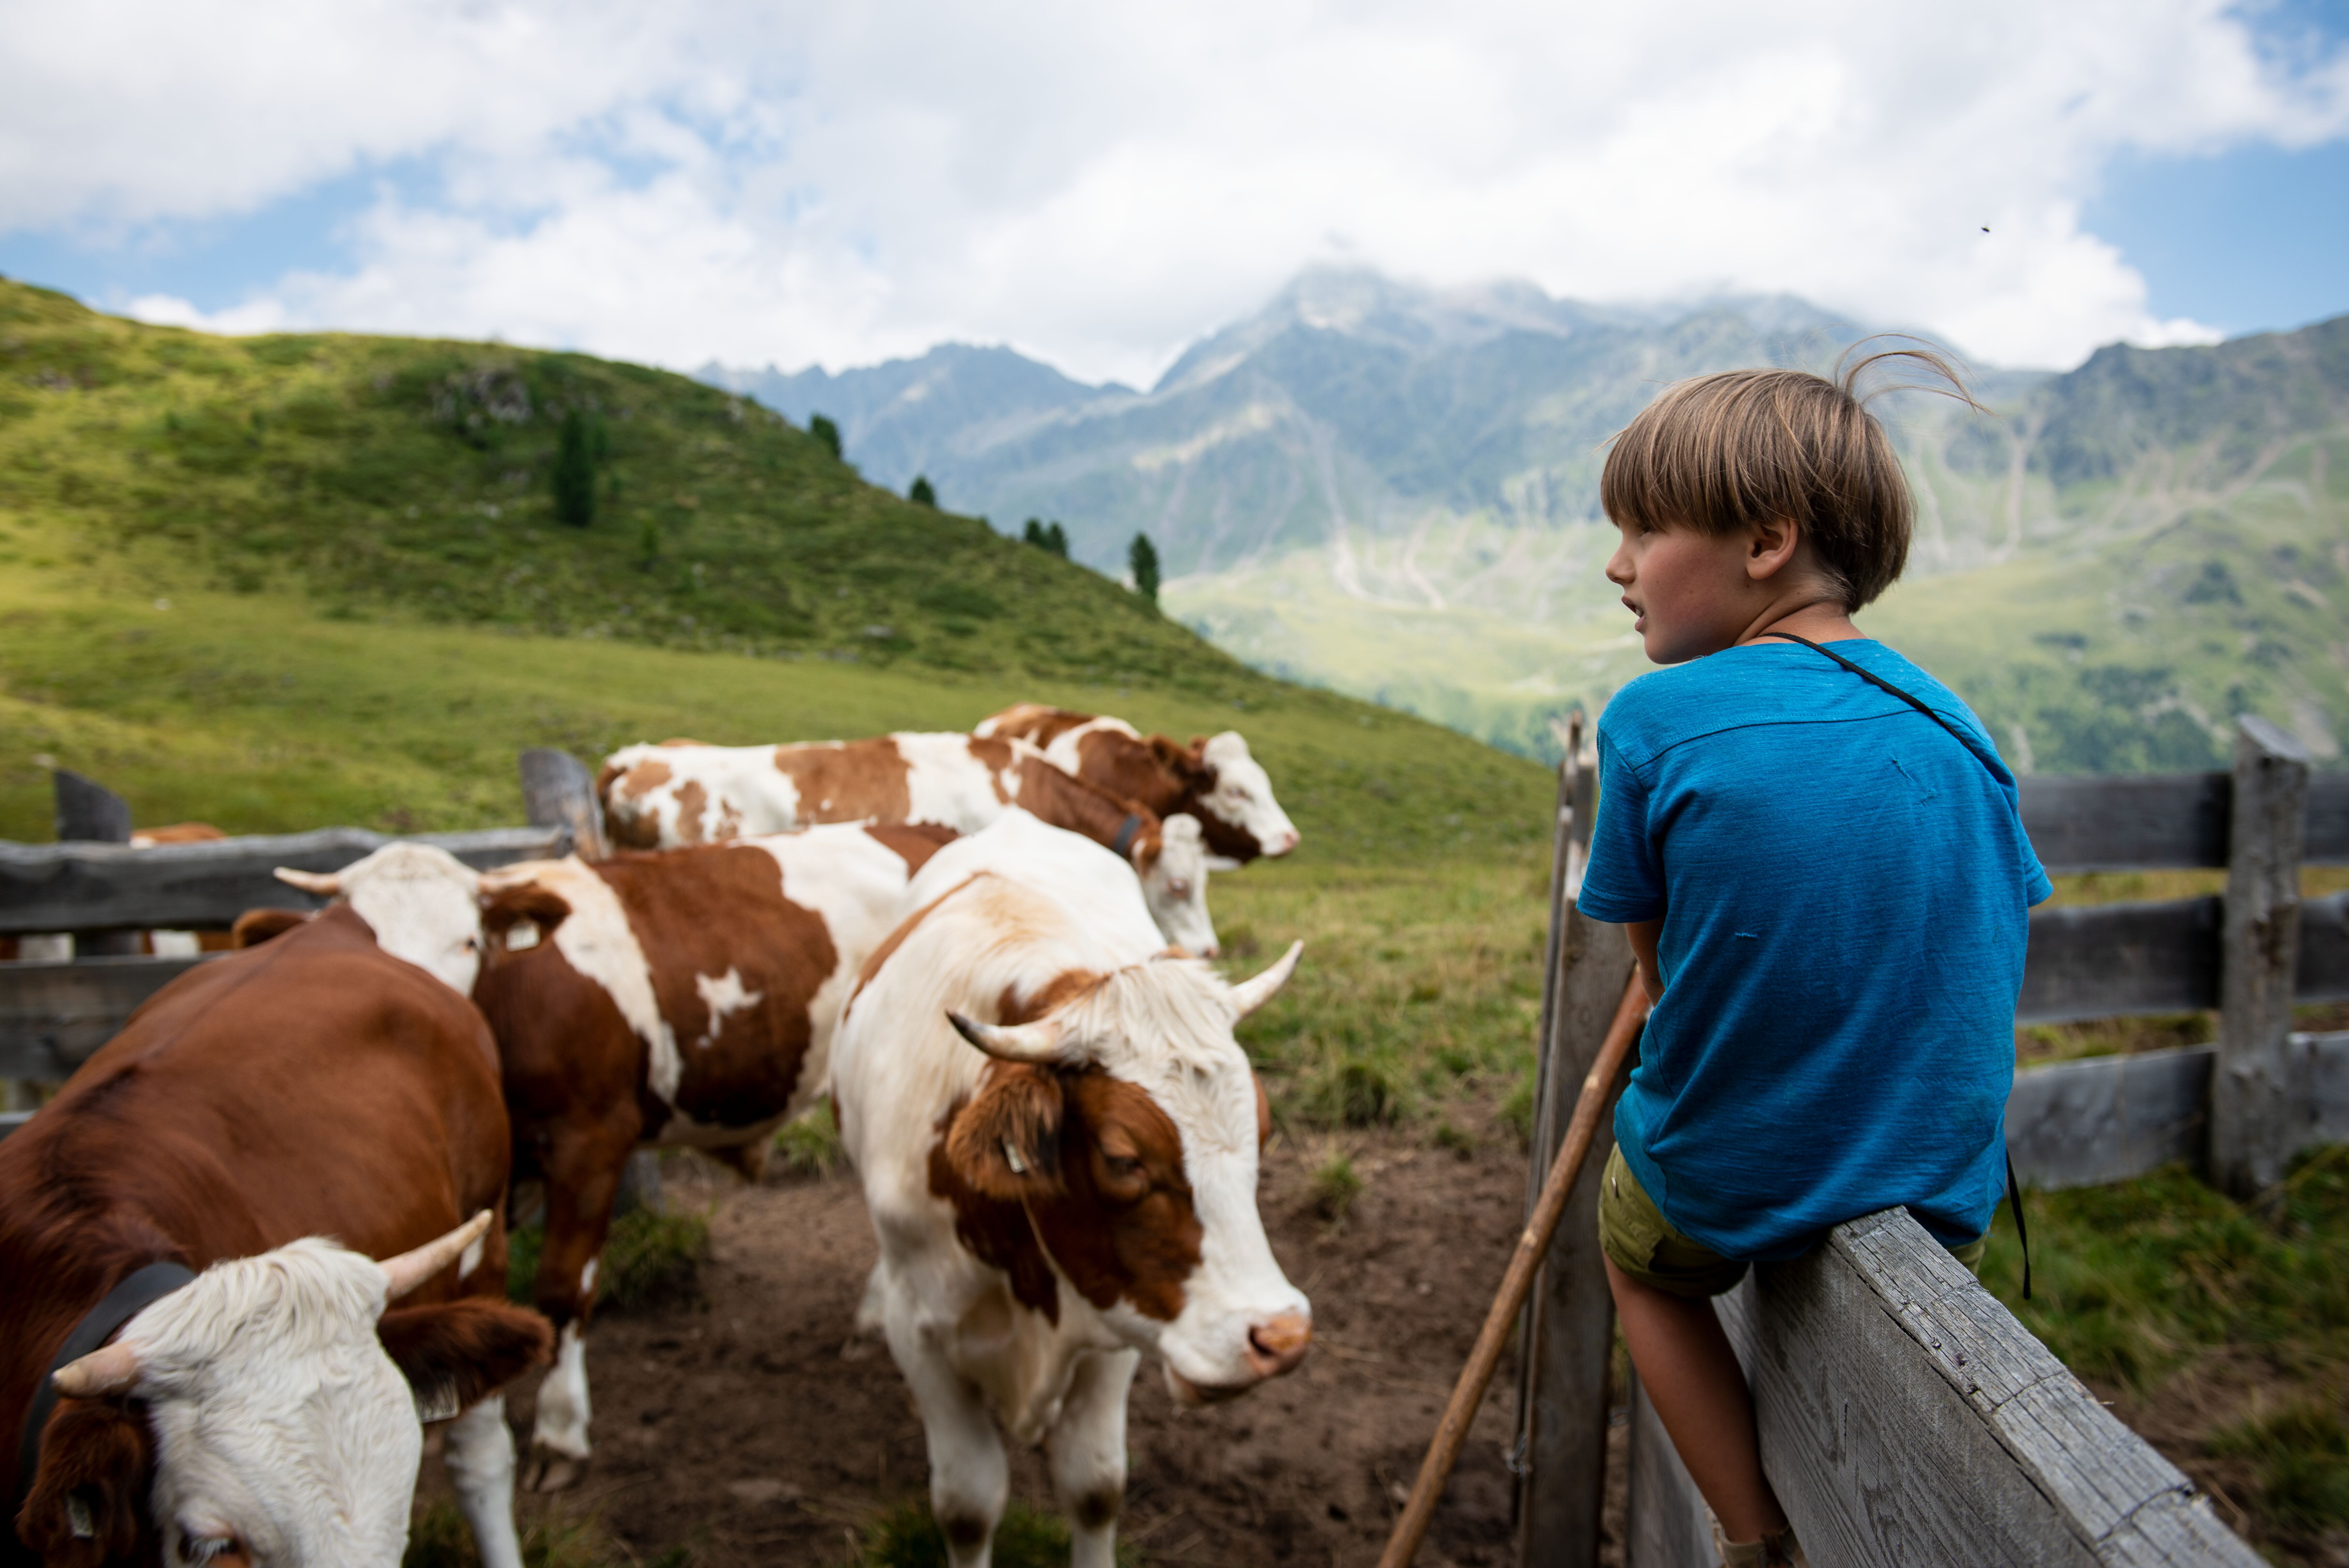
(1393, 492)
(377, 477)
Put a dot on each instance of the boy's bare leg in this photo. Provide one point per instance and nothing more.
(1698, 1388)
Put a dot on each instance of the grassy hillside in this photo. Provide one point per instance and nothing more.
(368, 474)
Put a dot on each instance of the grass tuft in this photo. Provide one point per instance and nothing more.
(1336, 1184)
(649, 1259)
(908, 1537)
(442, 1539)
(2299, 1456)
(810, 1146)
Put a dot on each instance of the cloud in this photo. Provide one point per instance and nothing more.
(1100, 184)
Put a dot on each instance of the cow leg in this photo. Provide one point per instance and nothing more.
(969, 1476)
(582, 1178)
(480, 1459)
(1087, 1451)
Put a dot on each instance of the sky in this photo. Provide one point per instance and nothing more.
(1099, 184)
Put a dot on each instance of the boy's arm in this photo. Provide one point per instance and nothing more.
(1643, 934)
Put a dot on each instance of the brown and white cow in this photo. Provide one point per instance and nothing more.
(681, 792)
(685, 997)
(1214, 778)
(1057, 1139)
(331, 1084)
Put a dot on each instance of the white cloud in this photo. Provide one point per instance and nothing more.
(1098, 184)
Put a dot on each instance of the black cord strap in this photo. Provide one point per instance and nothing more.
(137, 1293)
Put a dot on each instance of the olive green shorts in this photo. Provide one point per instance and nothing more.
(1636, 1238)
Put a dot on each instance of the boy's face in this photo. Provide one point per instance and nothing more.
(1692, 592)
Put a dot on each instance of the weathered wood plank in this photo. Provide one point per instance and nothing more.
(2144, 822)
(2323, 969)
(1907, 1418)
(53, 1015)
(1666, 1524)
(557, 791)
(2109, 1118)
(2249, 1095)
(85, 887)
(2327, 830)
(11, 1120)
(2319, 1064)
(88, 810)
(1564, 1422)
(2113, 959)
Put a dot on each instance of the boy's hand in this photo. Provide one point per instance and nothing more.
(1643, 934)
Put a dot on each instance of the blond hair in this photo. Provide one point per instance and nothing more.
(1722, 453)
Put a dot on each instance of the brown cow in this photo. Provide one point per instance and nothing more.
(681, 792)
(685, 997)
(1214, 778)
(321, 1085)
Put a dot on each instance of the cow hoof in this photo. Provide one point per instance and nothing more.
(549, 1470)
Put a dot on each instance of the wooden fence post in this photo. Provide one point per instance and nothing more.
(557, 791)
(2249, 1091)
(89, 811)
(1561, 1487)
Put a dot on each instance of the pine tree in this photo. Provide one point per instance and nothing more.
(1142, 557)
(920, 494)
(1056, 539)
(1034, 535)
(824, 430)
(575, 473)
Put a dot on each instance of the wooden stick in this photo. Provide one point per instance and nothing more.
(1451, 1432)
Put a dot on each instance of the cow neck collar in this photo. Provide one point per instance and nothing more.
(138, 1290)
(1125, 832)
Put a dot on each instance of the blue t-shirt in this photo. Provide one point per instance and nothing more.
(1845, 893)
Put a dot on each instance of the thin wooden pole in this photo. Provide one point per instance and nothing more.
(1451, 1432)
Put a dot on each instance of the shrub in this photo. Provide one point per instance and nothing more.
(575, 473)
(824, 430)
(1142, 557)
(921, 492)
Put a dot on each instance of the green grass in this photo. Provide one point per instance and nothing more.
(649, 1259)
(1335, 1184)
(908, 1537)
(810, 1146)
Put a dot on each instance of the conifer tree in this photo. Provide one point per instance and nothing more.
(1056, 539)
(920, 494)
(1034, 535)
(575, 473)
(1142, 557)
(824, 430)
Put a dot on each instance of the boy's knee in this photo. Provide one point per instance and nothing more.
(1638, 1241)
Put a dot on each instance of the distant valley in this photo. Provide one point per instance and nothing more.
(1393, 492)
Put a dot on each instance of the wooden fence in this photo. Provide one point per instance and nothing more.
(95, 886)
(1906, 1417)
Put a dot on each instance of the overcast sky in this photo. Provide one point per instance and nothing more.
(1098, 183)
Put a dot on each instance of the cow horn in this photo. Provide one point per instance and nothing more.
(1036, 1042)
(411, 1269)
(325, 884)
(110, 1369)
(1253, 992)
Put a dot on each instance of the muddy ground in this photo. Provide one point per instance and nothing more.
(756, 1428)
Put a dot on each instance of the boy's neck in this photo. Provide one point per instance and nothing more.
(1815, 621)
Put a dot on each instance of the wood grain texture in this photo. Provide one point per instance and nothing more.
(2323, 973)
(2249, 1092)
(53, 1015)
(2319, 1065)
(2142, 822)
(2109, 1118)
(2112, 959)
(1562, 1489)
(2326, 835)
(1666, 1524)
(107, 887)
(557, 791)
(1908, 1419)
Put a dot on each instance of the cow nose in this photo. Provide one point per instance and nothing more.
(1288, 842)
(1210, 950)
(1277, 1347)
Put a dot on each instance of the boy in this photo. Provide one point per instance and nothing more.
(1828, 890)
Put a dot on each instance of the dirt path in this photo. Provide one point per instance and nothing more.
(755, 1429)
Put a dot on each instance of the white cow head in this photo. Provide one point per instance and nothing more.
(282, 1410)
(1127, 1123)
(420, 902)
(1172, 867)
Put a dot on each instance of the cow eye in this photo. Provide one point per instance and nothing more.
(220, 1550)
(1179, 888)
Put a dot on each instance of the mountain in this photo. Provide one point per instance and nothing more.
(1393, 492)
(379, 476)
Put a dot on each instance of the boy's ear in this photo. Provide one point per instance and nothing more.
(1006, 1144)
(83, 1508)
(457, 1353)
(1772, 545)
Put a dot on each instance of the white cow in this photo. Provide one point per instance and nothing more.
(1058, 1138)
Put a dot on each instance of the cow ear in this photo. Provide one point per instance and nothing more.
(508, 913)
(460, 1352)
(83, 1507)
(1006, 1144)
(255, 927)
